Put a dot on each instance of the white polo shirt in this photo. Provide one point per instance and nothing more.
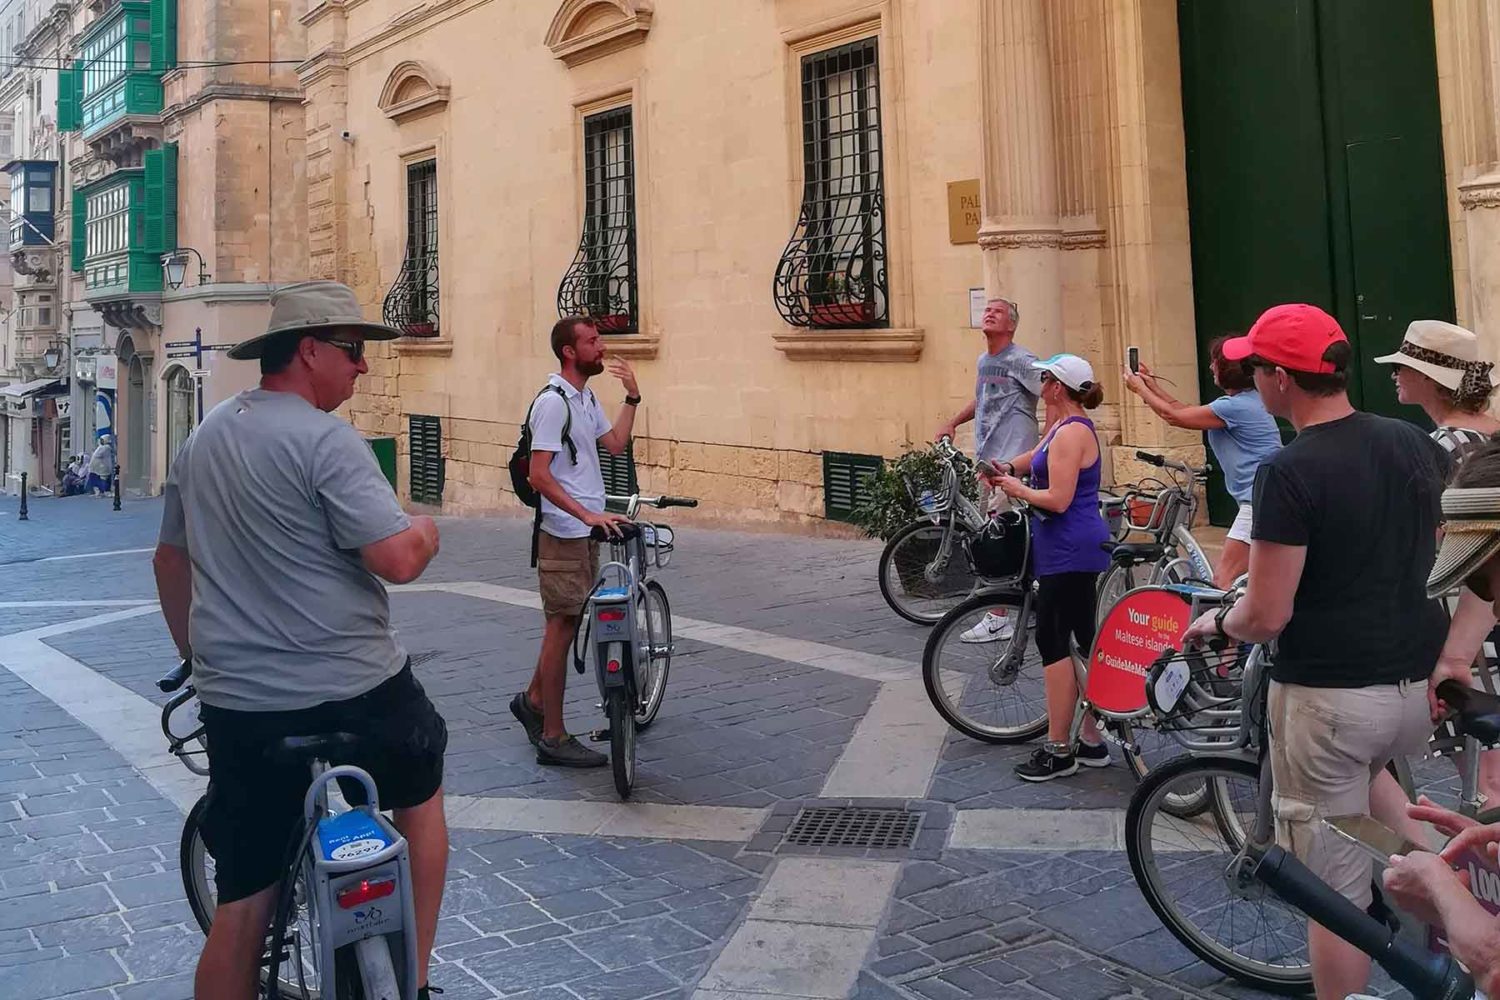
(583, 481)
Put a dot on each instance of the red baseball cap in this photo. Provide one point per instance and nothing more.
(1293, 336)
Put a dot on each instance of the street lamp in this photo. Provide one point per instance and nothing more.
(52, 355)
(175, 264)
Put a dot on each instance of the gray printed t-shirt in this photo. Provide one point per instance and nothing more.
(1005, 399)
(273, 498)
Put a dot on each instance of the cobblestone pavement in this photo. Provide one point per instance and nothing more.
(755, 728)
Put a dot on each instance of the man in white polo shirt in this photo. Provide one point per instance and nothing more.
(571, 484)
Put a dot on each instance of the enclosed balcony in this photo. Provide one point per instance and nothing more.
(122, 224)
(113, 94)
(33, 197)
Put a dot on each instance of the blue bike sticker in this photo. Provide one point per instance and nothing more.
(351, 835)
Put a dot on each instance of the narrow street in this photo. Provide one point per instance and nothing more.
(793, 687)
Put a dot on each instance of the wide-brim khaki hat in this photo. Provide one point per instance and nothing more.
(1471, 537)
(1441, 351)
(309, 306)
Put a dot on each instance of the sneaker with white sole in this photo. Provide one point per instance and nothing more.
(1044, 765)
(990, 628)
(1092, 755)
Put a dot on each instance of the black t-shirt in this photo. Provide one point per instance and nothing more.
(1362, 494)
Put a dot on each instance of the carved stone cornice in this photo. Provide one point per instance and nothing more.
(1482, 192)
(1017, 239)
(1084, 239)
(413, 89)
(321, 65)
(582, 30)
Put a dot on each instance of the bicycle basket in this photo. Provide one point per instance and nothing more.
(1197, 696)
(661, 540)
(1002, 548)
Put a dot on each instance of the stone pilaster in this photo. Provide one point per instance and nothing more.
(325, 79)
(1020, 232)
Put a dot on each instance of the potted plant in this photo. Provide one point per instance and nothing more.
(847, 303)
(891, 502)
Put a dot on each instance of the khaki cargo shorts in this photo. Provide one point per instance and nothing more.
(1327, 745)
(566, 569)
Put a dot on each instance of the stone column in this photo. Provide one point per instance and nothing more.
(1473, 92)
(1020, 232)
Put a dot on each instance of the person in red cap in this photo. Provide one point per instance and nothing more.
(1345, 531)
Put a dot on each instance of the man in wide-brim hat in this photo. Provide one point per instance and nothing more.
(277, 530)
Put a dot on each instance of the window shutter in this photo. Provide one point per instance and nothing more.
(425, 448)
(168, 197)
(68, 98)
(79, 230)
(155, 214)
(163, 35)
(619, 471)
(846, 482)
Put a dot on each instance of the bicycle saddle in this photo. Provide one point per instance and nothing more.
(1476, 713)
(319, 746)
(1134, 553)
(631, 530)
(176, 677)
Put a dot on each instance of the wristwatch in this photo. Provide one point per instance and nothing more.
(632, 401)
(1219, 621)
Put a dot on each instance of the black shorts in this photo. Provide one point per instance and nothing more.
(255, 803)
(1065, 605)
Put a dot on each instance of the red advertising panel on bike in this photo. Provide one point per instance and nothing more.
(1134, 632)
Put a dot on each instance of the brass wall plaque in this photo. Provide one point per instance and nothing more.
(963, 212)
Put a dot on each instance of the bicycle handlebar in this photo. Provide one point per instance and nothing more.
(175, 677)
(1163, 462)
(1424, 973)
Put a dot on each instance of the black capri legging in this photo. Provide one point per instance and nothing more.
(1065, 603)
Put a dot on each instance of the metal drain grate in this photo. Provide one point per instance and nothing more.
(846, 826)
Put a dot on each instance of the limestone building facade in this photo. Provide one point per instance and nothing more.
(784, 211)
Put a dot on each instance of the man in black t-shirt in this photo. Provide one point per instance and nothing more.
(1345, 531)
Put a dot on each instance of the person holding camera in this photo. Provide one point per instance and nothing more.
(1067, 538)
(1241, 435)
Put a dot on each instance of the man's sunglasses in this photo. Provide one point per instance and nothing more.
(354, 348)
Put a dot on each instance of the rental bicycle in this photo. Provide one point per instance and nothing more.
(344, 926)
(628, 627)
(931, 565)
(1212, 878)
(1165, 512)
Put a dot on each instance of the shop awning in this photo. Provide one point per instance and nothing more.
(24, 389)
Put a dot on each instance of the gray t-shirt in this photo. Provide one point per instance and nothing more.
(273, 498)
(1005, 398)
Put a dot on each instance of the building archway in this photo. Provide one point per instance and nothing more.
(180, 411)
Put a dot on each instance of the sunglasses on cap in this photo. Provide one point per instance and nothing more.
(354, 348)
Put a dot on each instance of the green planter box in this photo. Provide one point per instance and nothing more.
(385, 453)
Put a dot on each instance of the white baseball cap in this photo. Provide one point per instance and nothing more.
(1069, 369)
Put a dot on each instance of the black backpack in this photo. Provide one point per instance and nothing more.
(520, 462)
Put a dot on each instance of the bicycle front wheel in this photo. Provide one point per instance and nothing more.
(914, 584)
(988, 690)
(1197, 878)
(651, 672)
(622, 741)
(298, 978)
(1147, 749)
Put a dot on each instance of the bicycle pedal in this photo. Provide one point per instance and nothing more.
(599, 736)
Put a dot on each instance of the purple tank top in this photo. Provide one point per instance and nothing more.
(1070, 541)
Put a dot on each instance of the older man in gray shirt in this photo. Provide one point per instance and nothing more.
(1006, 392)
(277, 531)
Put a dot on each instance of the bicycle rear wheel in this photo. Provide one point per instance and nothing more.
(651, 675)
(1196, 877)
(916, 588)
(989, 691)
(622, 741)
(298, 978)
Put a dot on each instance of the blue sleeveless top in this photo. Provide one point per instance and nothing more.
(1069, 542)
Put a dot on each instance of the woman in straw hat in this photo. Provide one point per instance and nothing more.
(1438, 368)
(1422, 883)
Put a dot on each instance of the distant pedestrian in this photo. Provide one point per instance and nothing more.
(102, 466)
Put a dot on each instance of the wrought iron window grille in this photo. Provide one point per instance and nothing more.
(832, 273)
(411, 305)
(601, 281)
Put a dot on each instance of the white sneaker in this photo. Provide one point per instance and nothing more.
(991, 628)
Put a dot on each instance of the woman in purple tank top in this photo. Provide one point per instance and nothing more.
(1067, 536)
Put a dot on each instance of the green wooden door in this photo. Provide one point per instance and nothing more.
(1315, 173)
